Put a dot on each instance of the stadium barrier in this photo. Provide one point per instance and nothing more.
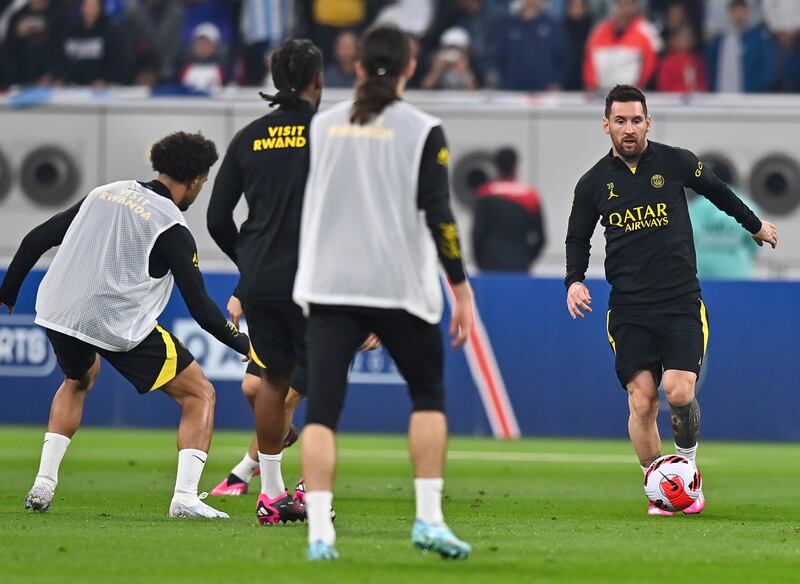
(84, 139)
(558, 373)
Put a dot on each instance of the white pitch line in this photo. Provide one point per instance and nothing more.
(485, 456)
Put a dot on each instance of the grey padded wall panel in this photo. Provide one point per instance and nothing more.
(558, 139)
(76, 131)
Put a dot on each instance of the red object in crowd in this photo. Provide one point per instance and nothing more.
(514, 191)
(682, 72)
(621, 57)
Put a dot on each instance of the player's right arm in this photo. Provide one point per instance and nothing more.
(582, 221)
(176, 248)
(228, 187)
(46, 236)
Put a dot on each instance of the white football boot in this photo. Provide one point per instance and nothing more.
(193, 507)
(39, 497)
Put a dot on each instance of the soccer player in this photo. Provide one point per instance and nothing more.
(657, 323)
(378, 182)
(121, 249)
(268, 162)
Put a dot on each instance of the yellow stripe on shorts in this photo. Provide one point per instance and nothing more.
(608, 332)
(255, 358)
(170, 367)
(704, 320)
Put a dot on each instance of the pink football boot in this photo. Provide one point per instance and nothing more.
(697, 506)
(658, 511)
(281, 509)
(230, 487)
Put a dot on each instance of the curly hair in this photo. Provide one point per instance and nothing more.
(294, 66)
(183, 156)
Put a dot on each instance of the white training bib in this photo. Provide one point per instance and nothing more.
(363, 239)
(98, 288)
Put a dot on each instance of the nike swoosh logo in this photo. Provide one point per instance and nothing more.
(198, 458)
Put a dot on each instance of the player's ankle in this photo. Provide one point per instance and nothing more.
(185, 498)
(45, 481)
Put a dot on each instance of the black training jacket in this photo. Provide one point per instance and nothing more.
(650, 256)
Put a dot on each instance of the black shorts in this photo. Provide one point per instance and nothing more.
(658, 338)
(157, 360)
(277, 331)
(336, 332)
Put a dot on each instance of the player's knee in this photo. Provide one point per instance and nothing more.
(250, 385)
(206, 393)
(679, 388)
(428, 399)
(643, 406)
(293, 398)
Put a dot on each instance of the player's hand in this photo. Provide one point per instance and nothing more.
(463, 319)
(235, 310)
(371, 343)
(767, 234)
(578, 298)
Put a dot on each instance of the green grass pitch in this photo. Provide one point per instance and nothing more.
(536, 510)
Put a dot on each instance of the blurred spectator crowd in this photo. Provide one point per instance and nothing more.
(200, 46)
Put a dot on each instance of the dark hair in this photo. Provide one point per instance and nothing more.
(183, 157)
(385, 53)
(624, 94)
(294, 65)
(506, 161)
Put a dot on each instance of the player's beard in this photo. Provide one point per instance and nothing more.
(630, 155)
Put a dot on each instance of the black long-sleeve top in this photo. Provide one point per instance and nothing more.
(268, 161)
(650, 256)
(174, 250)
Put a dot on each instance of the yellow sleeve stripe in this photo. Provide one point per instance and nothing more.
(170, 367)
(255, 357)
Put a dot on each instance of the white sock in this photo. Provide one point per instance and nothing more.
(245, 469)
(271, 478)
(53, 451)
(690, 453)
(190, 467)
(318, 511)
(429, 500)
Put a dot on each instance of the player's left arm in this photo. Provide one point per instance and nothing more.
(46, 236)
(228, 187)
(707, 184)
(433, 198)
(177, 249)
